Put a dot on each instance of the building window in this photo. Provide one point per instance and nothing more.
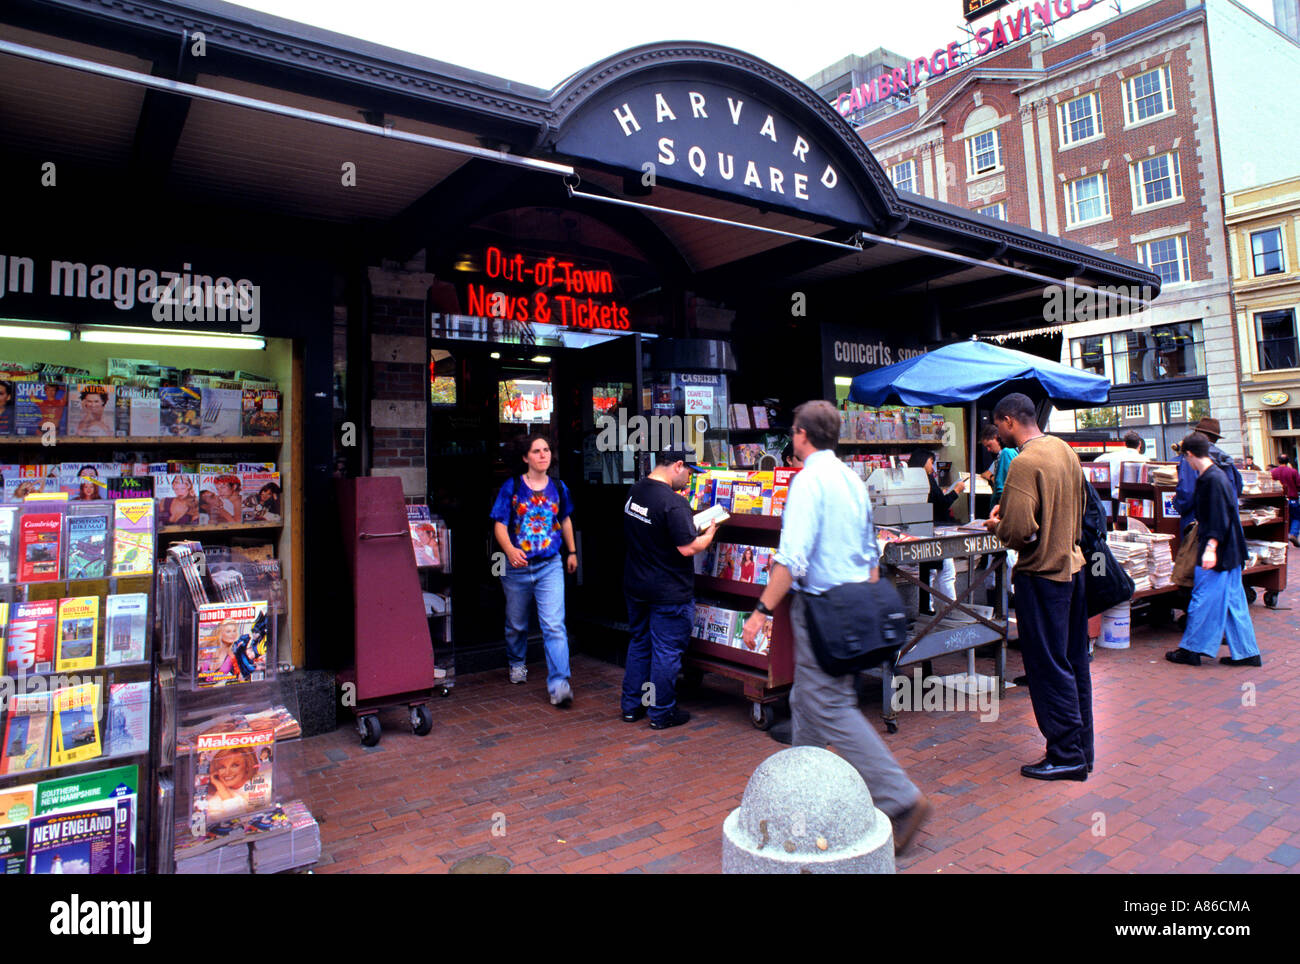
(1135, 411)
(1089, 353)
(1266, 246)
(1276, 339)
(1175, 411)
(1156, 354)
(1167, 257)
(1087, 199)
(998, 210)
(983, 154)
(1279, 420)
(904, 176)
(1079, 119)
(1148, 95)
(1156, 179)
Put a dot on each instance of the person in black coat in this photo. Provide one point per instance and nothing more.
(942, 501)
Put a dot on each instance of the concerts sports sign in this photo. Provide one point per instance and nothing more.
(710, 136)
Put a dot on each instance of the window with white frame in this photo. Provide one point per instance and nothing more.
(1135, 411)
(1156, 179)
(1168, 258)
(983, 154)
(904, 176)
(998, 210)
(1266, 251)
(1175, 410)
(1087, 199)
(1148, 95)
(1079, 119)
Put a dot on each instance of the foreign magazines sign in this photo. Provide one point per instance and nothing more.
(714, 137)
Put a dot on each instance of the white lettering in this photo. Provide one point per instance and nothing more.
(775, 177)
(697, 105)
(726, 165)
(627, 119)
(666, 154)
(751, 175)
(801, 186)
(768, 129)
(695, 158)
(735, 106)
(662, 109)
(830, 178)
(800, 148)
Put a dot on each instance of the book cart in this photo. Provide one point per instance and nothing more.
(75, 646)
(766, 676)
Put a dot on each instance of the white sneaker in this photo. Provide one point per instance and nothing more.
(519, 674)
(562, 695)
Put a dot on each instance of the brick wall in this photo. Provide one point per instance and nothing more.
(398, 376)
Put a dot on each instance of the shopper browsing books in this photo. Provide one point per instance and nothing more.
(532, 526)
(659, 583)
(942, 500)
(828, 540)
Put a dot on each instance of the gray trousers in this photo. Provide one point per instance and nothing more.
(824, 710)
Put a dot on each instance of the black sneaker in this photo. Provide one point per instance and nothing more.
(1244, 661)
(634, 715)
(676, 718)
(1184, 656)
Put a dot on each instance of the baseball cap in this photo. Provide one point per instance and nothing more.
(670, 455)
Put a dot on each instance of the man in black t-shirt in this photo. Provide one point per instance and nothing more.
(659, 582)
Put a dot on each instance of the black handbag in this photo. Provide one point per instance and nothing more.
(1105, 581)
(856, 625)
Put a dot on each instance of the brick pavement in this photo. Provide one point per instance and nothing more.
(1188, 778)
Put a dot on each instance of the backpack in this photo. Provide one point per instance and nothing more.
(1224, 461)
(1111, 585)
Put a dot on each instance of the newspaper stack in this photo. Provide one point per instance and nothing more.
(1267, 553)
(233, 858)
(1132, 555)
(1164, 475)
(1161, 564)
(297, 848)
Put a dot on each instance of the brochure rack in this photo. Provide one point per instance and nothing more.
(766, 676)
(75, 644)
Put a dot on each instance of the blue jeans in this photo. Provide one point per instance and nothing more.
(1219, 608)
(542, 580)
(660, 634)
(1294, 505)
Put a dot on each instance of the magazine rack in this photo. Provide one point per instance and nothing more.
(75, 646)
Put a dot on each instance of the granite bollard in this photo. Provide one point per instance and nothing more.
(805, 810)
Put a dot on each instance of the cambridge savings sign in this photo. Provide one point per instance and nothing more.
(716, 138)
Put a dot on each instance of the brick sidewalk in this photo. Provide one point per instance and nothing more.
(1188, 778)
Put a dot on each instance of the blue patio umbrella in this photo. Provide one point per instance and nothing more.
(970, 371)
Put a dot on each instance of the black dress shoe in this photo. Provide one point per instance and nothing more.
(637, 714)
(1043, 762)
(1055, 771)
(1021, 681)
(1184, 656)
(1244, 661)
(782, 732)
(676, 718)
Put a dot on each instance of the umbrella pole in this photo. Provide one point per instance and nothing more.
(970, 501)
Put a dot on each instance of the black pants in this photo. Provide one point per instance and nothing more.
(1053, 623)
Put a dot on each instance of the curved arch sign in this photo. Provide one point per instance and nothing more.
(706, 135)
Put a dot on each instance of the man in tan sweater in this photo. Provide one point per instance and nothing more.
(1040, 515)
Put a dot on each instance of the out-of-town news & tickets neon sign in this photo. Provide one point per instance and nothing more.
(562, 292)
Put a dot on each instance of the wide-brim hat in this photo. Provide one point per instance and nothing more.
(1209, 427)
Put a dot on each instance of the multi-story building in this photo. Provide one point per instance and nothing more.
(1264, 228)
(1124, 137)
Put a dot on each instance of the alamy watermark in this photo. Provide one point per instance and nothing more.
(1064, 304)
(222, 303)
(650, 433)
(930, 694)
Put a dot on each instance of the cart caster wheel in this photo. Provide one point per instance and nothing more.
(1250, 595)
(891, 726)
(1270, 600)
(421, 720)
(762, 715)
(444, 691)
(368, 727)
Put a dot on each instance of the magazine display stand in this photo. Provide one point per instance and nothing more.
(75, 644)
(431, 541)
(228, 728)
(767, 676)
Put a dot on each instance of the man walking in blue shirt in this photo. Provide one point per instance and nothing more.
(827, 540)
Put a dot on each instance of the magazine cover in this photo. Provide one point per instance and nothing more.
(232, 643)
(424, 540)
(232, 773)
(719, 628)
(76, 735)
(7, 516)
(761, 641)
(33, 634)
(746, 563)
(261, 411)
(139, 412)
(83, 481)
(180, 411)
(701, 621)
(220, 498)
(40, 541)
(127, 730)
(87, 546)
(760, 417)
(132, 537)
(16, 808)
(91, 412)
(261, 497)
(746, 498)
(125, 622)
(80, 841)
(7, 407)
(38, 403)
(726, 561)
(78, 630)
(26, 733)
(222, 411)
(762, 564)
(138, 485)
(176, 495)
(117, 788)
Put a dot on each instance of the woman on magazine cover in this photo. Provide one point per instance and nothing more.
(229, 772)
(530, 517)
(747, 565)
(181, 506)
(87, 484)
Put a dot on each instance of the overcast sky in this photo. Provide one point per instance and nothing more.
(541, 44)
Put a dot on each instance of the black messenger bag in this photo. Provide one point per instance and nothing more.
(856, 625)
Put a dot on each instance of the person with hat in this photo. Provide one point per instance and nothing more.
(1185, 495)
(659, 583)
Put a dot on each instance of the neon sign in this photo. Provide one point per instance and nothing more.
(901, 80)
(562, 293)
